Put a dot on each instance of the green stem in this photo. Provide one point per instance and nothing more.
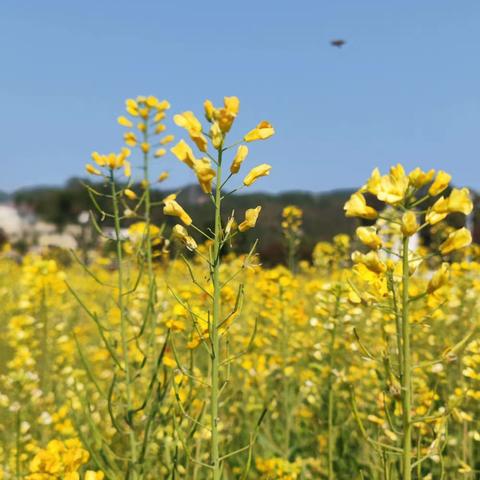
(45, 366)
(398, 320)
(406, 379)
(291, 254)
(330, 433)
(147, 210)
(215, 354)
(18, 474)
(331, 396)
(123, 324)
(150, 318)
(286, 383)
(45, 349)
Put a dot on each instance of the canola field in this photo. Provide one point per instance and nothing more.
(167, 353)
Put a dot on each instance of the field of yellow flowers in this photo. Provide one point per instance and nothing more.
(166, 353)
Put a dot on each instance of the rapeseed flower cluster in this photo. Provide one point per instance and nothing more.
(168, 353)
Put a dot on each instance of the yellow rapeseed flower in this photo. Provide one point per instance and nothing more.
(159, 116)
(92, 170)
(98, 159)
(409, 224)
(251, 216)
(440, 183)
(184, 153)
(262, 131)
(371, 260)
(257, 172)
(111, 160)
(163, 105)
(242, 152)
(210, 111)
(173, 208)
(205, 174)
(216, 135)
(160, 128)
(130, 138)
(132, 107)
(369, 237)
(190, 122)
(456, 240)
(439, 278)
(460, 201)
(226, 116)
(438, 211)
(92, 475)
(167, 139)
(163, 176)
(373, 184)
(127, 169)
(418, 178)
(357, 206)
(130, 194)
(181, 233)
(124, 122)
(393, 187)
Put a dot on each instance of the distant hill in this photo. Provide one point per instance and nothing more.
(323, 212)
(4, 196)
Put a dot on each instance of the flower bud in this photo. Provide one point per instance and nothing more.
(409, 224)
(368, 236)
(257, 172)
(439, 278)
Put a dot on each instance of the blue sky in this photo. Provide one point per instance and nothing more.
(405, 88)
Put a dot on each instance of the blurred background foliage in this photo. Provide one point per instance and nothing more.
(323, 216)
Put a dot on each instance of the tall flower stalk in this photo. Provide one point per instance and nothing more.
(210, 174)
(382, 278)
(406, 368)
(150, 113)
(123, 319)
(292, 232)
(135, 348)
(216, 319)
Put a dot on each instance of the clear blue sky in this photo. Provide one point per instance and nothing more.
(405, 88)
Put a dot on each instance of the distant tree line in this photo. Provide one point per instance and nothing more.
(323, 212)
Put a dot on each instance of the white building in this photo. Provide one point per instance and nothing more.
(25, 227)
(11, 223)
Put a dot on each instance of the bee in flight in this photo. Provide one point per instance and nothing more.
(339, 43)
